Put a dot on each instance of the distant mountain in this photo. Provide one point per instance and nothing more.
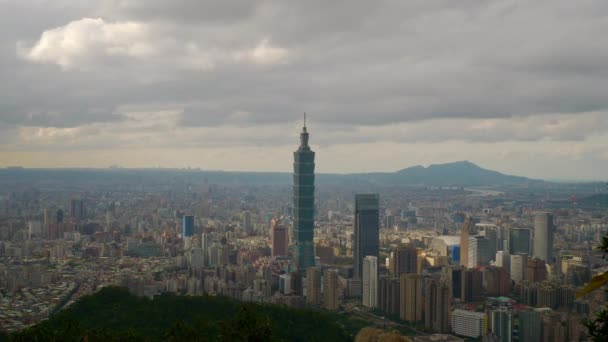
(462, 173)
(457, 173)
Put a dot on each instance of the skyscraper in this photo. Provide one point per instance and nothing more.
(543, 236)
(303, 202)
(187, 226)
(366, 231)
(370, 281)
(464, 240)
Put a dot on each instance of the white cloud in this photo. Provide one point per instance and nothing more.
(95, 44)
(264, 53)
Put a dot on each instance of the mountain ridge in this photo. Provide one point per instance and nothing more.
(460, 173)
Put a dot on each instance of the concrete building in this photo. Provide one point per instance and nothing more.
(410, 298)
(544, 231)
(313, 280)
(388, 295)
(437, 305)
(469, 323)
(370, 281)
(403, 260)
(464, 240)
(536, 270)
(501, 324)
(478, 253)
(280, 244)
(331, 297)
(518, 263)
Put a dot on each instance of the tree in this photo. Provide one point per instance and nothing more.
(598, 326)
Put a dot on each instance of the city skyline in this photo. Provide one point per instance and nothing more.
(217, 85)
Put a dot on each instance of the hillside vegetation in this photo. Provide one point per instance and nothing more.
(114, 314)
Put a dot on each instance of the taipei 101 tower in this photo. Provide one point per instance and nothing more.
(303, 203)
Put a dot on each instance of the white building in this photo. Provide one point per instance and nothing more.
(503, 260)
(518, 266)
(468, 323)
(370, 281)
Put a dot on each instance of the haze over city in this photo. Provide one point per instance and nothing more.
(514, 86)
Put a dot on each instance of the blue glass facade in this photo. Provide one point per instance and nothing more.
(367, 230)
(303, 203)
(187, 226)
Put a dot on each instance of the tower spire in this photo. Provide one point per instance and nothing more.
(304, 127)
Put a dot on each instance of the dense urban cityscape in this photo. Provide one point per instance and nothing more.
(449, 262)
(303, 170)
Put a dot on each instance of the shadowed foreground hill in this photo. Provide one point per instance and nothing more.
(114, 314)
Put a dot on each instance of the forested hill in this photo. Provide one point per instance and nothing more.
(114, 314)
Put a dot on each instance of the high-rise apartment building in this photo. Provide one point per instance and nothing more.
(366, 231)
(370, 281)
(473, 285)
(279, 239)
(303, 203)
(437, 305)
(388, 295)
(498, 282)
(313, 280)
(410, 298)
(464, 240)
(403, 260)
(530, 325)
(543, 236)
(518, 265)
(187, 226)
(331, 298)
(535, 270)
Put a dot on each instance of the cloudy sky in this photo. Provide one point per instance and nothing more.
(517, 86)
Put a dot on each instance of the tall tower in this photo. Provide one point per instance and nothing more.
(367, 230)
(543, 236)
(303, 202)
(464, 240)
